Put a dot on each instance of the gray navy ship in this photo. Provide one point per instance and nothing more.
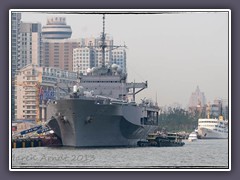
(97, 112)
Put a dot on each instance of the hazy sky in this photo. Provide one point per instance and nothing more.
(174, 52)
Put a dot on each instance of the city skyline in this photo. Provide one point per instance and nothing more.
(174, 52)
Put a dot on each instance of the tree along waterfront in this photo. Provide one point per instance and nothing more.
(177, 119)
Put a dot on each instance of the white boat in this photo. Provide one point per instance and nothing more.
(192, 136)
(213, 128)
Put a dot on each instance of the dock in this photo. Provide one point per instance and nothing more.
(41, 141)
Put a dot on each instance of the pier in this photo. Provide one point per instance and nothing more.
(41, 141)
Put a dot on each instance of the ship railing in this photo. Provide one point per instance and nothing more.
(109, 100)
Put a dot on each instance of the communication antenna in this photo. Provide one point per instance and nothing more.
(103, 45)
(78, 75)
(156, 100)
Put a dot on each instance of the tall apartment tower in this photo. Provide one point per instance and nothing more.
(29, 49)
(58, 48)
(108, 51)
(83, 59)
(59, 53)
(119, 58)
(89, 55)
(219, 107)
(15, 28)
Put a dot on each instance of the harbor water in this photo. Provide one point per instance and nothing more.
(201, 153)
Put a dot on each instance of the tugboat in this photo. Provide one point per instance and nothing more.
(162, 140)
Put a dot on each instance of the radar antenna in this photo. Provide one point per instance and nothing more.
(78, 75)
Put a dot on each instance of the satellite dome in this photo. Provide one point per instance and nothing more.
(114, 66)
(94, 69)
(119, 69)
(89, 70)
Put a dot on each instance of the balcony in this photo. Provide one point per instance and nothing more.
(30, 90)
(30, 98)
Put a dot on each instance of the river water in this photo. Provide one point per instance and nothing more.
(199, 154)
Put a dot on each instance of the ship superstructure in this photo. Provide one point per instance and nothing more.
(98, 111)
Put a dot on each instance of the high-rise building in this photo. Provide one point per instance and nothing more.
(29, 45)
(83, 59)
(15, 27)
(56, 28)
(219, 107)
(108, 51)
(59, 53)
(35, 86)
(197, 103)
(57, 48)
(197, 98)
(89, 55)
(119, 58)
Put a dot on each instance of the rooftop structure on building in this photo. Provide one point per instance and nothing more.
(56, 28)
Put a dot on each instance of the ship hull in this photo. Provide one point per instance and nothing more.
(205, 133)
(85, 123)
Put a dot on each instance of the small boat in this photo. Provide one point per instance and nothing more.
(192, 136)
(162, 140)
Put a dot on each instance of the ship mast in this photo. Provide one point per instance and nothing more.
(103, 45)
